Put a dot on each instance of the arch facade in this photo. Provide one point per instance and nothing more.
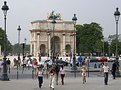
(45, 38)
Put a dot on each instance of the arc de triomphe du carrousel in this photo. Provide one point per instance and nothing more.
(46, 36)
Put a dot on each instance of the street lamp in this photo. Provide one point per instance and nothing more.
(19, 29)
(70, 48)
(4, 76)
(53, 50)
(48, 43)
(103, 47)
(109, 43)
(74, 19)
(117, 15)
(25, 46)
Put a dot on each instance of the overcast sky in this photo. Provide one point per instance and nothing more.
(23, 12)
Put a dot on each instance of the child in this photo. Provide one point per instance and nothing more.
(83, 74)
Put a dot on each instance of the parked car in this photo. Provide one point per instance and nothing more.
(112, 59)
(61, 62)
(93, 59)
(42, 62)
(103, 59)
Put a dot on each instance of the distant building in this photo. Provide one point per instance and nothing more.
(42, 35)
(113, 37)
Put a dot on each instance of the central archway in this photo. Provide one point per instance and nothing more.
(55, 45)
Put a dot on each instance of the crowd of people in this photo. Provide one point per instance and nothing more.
(56, 71)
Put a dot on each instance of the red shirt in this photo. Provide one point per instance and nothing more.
(35, 63)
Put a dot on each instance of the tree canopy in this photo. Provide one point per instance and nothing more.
(8, 44)
(89, 38)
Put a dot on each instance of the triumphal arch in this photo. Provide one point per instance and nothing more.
(44, 37)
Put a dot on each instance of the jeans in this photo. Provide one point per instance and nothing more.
(106, 78)
(40, 79)
(52, 81)
(62, 78)
(114, 74)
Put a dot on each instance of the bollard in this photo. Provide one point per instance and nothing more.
(95, 65)
(98, 65)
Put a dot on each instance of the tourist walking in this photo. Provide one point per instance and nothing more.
(24, 65)
(14, 61)
(106, 70)
(8, 64)
(113, 70)
(35, 64)
(83, 70)
(28, 64)
(57, 69)
(52, 77)
(1, 65)
(62, 74)
(46, 68)
(84, 61)
(39, 74)
(102, 71)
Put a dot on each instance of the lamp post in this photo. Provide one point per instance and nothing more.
(4, 76)
(25, 46)
(48, 43)
(70, 48)
(74, 19)
(109, 43)
(103, 47)
(19, 29)
(53, 50)
(117, 15)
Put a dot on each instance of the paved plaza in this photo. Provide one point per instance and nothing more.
(94, 82)
(71, 83)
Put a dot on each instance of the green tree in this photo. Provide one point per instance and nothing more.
(2, 39)
(79, 29)
(8, 44)
(98, 47)
(113, 47)
(88, 35)
(106, 48)
(18, 49)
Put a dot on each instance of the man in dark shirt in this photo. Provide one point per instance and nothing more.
(114, 66)
(57, 69)
(8, 64)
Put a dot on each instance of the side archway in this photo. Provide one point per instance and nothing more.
(43, 49)
(68, 49)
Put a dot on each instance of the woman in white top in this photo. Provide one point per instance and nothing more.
(62, 73)
(106, 70)
(39, 74)
(52, 77)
